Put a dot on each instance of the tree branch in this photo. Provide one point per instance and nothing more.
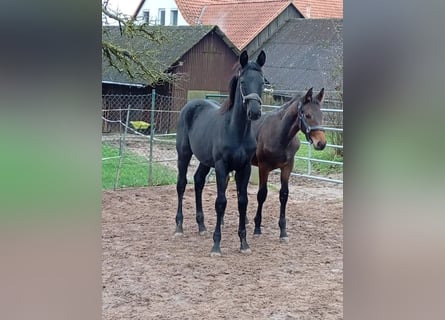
(127, 60)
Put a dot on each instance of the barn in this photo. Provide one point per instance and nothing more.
(200, 59)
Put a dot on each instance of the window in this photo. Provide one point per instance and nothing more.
(162, 17)
(174, 17)
(146, 17)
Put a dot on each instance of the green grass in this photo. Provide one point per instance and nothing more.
(328, 153)
(134, 171)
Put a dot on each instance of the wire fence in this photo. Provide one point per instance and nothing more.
(138, 141)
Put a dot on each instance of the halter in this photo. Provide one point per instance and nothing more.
(250, 96)
(302, 120)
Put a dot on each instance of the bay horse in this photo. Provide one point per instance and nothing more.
(277, 143)
(221, 137)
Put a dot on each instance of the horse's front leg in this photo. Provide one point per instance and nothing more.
(220, 205)
(242, 180)
(200, 177)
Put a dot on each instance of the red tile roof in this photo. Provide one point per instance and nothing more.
(236, 22)
(233, 18)
(320, 8)
(191, 9)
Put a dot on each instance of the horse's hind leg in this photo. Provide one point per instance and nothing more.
(284, 193)
(200, 177)
(242, 180)
(261, 198)
(183, 162)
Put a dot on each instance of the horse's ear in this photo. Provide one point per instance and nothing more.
(243, 59)
(308, 96)
(320, 95)
(261, 58)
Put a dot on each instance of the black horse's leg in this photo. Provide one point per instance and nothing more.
(220, 205)
(200, 177)
(183, 162)
(261, 197)
(284, 193)
(227, 184)
(242, 180)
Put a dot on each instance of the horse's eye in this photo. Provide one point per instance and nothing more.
(308, 116)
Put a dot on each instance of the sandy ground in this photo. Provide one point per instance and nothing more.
(150, 274)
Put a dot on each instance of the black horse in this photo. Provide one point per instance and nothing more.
(277, 144)
(221, 138)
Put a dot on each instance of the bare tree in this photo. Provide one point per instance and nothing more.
(118, 52)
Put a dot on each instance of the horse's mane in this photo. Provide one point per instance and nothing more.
(228, 103)
(290, 102)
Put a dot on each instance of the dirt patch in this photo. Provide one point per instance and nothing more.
(150, 274)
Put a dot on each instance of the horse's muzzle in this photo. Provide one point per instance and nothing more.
(253, 103)
(254, 114)
(320, 145)
(318, 138)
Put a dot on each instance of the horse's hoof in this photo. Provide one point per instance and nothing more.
(203, 233)
(246, 251)
(257, 232)
(257, 235)
(215, 254)
(284, 239)
(179, 234)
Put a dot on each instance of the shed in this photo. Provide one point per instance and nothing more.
(201, 59)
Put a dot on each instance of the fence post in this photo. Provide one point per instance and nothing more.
(254, 176)
(152, 131)
(309, 161)
(122, 149)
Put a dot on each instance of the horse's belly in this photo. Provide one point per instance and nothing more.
(273, 159)
(204, 155)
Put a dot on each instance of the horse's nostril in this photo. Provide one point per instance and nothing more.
(321, 145)
(254, 115)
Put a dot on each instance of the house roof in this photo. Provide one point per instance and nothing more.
(191, 10)
(320, 8)
(178, 40)
(305, 53)
(240, 26)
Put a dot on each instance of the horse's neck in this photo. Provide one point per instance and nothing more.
(289, 125)
(239, 123)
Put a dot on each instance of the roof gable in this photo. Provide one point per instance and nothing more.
(243, 21)
(178, 40)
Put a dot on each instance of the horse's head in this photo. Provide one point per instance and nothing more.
(251, 84)
(310, 118)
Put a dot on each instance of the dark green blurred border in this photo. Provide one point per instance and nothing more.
(50, 176)
(50, 191)
(394, 79)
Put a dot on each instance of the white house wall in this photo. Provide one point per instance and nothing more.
(154, 6)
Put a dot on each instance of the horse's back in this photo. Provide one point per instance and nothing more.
(195, 110)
